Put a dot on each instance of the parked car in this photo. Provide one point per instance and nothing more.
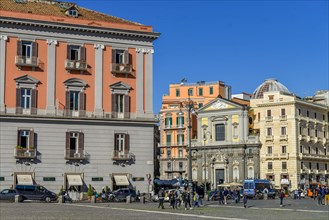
(35, 192)
(120, 195)
(8, 194)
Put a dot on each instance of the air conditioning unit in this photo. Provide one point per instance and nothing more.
(27, 154)
(76, 155)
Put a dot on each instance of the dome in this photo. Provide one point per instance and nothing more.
(270, 85)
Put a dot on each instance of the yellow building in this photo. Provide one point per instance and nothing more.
(294, 136)
(173, 123)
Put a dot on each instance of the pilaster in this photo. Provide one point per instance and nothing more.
(98, 111)
(149, 83)
(3, 40)
(139, 82)
(51, 77)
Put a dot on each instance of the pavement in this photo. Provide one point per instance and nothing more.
(256, 209)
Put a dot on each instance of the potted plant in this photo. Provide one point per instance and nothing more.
(90, 192)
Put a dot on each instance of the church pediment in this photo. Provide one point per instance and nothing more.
(219, 104)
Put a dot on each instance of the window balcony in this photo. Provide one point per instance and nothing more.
(119, 68)
(25, 153)
(74, 155)
(122, 155)
(283, 118)
(269, 119)
(80, 65)
(22, 61)
(283, 137)
(269, 138)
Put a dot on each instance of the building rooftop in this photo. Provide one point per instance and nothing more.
(270, 85)
(59, 9)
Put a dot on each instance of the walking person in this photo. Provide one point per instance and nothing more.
(245, 199)
(326, 196)
(299, 193)
(161, 198)
(177, 198)
(221, 197)
(186, 199)
(225, 196)
(281, 196)
(319, 195)
(196, 200)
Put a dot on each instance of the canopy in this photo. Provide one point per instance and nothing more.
(121, 180)
(235, 184)
(74, 180)
(224, 185)
(25, 179)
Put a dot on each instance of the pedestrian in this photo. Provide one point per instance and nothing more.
(319, 195)
(161, 198)
(295, 193)
(221, 197)
(326, 196)
(225, 196)
(281, 196)
(196, 200)
(177, 198)
(172, 199)
(299, 193)
(265, 193)
(314, 194)
(186, 199)
(245, 199)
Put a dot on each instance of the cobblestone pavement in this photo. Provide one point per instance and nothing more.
(257, 209)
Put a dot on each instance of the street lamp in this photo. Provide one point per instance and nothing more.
(205, 133)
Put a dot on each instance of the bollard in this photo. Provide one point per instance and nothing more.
(144, 199)
(128, 199)
(93, 199)
(18, 198)
(61, 199)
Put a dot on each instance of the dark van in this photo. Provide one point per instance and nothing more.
(35, 192)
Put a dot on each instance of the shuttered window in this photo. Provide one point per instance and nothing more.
(25, 138)
(121, 141)
(26, 99)
(74, 144)
(75, 52)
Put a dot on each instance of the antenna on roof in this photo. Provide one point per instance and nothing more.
(184, 80)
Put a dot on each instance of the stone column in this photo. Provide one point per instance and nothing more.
(149, 83)
(3, 40)
(51, 77)
(139, 82)
(98, 111)
(241, 128)
(246, 125)
(229, 129)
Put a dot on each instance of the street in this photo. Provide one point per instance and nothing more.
(261, 209)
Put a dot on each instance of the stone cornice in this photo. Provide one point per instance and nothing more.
(81, 28)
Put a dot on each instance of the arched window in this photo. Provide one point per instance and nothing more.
(251, 173)
(194, 174)
(235, 174)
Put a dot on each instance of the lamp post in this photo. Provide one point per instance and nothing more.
(205, 132)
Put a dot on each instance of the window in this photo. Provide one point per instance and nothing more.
(200, 91)
(177, 92)
(315, 115)
(317, 166)
(302, 165)
(284, 165)
(326, 166)
(74, 100)
(180, 152)
(211, 90)
(310, 165)
(269, 131)
(180, 165)
(75, 97)
(269, 113)
(26, 53)
(75, 53)
(283, 131)
(220, 132)
(301, 149)
(316, 151)
(235, 174)
(283, 112)
(235, 131)
(74, 145)
(169, 165)
(25, 98)
(251, 173)
(168, 121)
(307, 113)
(190, 92)
(323, 117)
(269, 150)
(325, 151)
(73, 13)
(121, 147)
(308, 132)
(27, 49)
(180, 139)
(120, 105)
(316, 132)
(169, 153)
(25, 139)
(309, 150)
(258, 116)
(299, 111)
(300, 130)
(271, 97)
(180, 121)
(284, 149)
(120, 56)
(168, 139)
(269, 166)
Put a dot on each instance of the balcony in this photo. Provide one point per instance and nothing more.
(22, 61)
(269, 138)
(180, 126)
(25, 153)
(283, 118)
(269, 119)
(122, 155)
(119, 68)
(169, 144)
(72, 65)
(284, 156)
(74, 155)
(283, 137)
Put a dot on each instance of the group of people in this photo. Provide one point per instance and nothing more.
(322, 194)
(176, 198)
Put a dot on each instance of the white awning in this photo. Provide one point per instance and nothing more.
(121, 180)
(74, 180)
(25, 179)
(284, 181)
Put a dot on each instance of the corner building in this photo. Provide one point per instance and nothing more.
(294, 135)
(75, 98)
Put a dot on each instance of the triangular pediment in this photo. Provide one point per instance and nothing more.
(75, 82)
(26, 79)
(220, 104)
(120, 86)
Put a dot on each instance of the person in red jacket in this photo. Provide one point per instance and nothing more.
(281, 196)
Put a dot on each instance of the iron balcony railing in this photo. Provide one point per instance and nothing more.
(75, 65)
(74, 154)
(21, 152)
(26, 61)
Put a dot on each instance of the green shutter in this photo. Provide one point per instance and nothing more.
(166, 122)
(177, 121)
(183, 139)
(170, 121)
(182, 120)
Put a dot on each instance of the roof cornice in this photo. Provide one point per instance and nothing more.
(81, 28)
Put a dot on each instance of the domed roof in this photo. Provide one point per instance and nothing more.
(270, 85)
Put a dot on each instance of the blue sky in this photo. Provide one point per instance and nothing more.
(239, 42)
